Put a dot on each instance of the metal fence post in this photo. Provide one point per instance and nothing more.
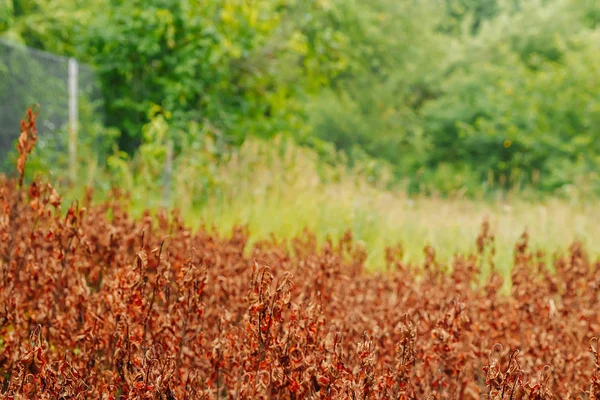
(73, 108)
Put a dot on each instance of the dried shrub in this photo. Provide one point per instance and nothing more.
(93, 306)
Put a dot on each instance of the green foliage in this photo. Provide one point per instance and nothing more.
(374, 103)
(229, 63)
(232, 63)
(523, 109)
(458, 96)
(507, 98)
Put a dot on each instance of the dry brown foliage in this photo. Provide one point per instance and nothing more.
(97, 305)
(26, 142)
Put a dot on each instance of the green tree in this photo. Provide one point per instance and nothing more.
(374, 102)
(521, 100)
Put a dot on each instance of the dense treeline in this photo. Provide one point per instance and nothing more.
(467, 95)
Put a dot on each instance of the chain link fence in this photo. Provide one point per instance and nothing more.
(68, 94)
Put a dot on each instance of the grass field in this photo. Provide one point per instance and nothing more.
(281, 192)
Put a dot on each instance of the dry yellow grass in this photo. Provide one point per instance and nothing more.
(281, 189)
(285, 195)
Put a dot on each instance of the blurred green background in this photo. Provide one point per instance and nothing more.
(403, 120)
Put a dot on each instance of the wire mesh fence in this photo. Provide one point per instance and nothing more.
(66, 92)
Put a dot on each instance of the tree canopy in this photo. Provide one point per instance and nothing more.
(452, 94)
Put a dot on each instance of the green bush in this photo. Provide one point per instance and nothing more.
(459, 96)
(524, 108)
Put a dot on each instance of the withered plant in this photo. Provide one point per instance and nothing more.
(94, 307)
